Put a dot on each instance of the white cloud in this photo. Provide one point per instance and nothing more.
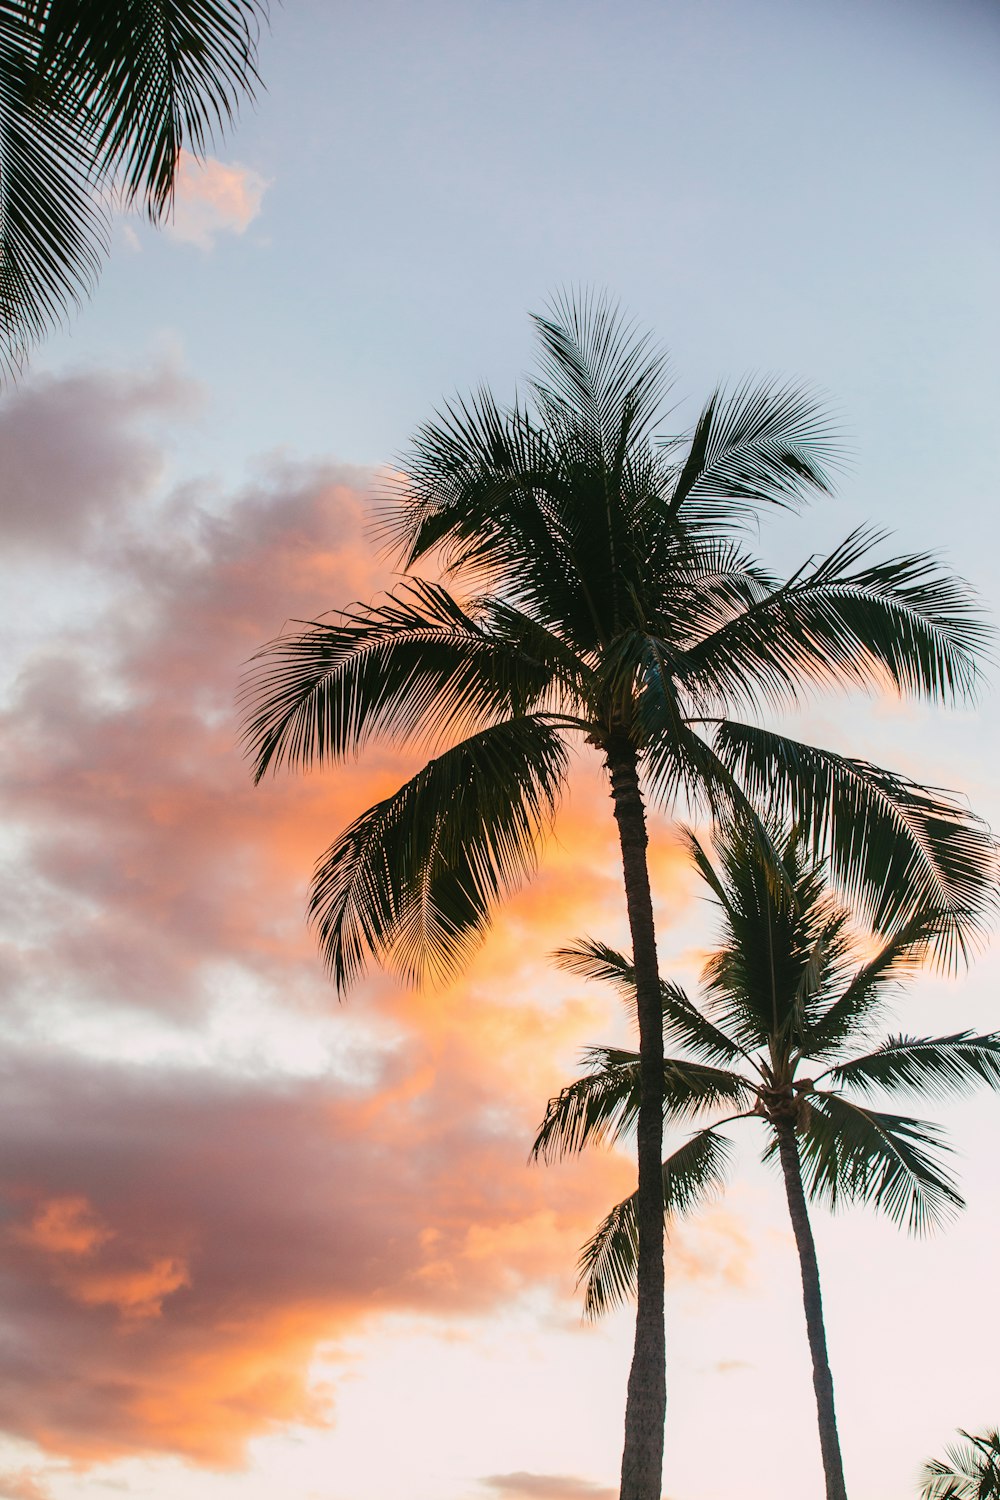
(213, 198)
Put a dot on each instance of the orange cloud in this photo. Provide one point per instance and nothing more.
(64, 1226)
(214, 198)
(136, 1293)
(23, 1484)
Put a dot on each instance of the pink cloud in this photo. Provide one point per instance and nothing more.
(150, 853)
(178, 1245)
(23, 1484)
(214, 198)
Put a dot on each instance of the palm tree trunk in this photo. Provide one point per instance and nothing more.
(646, 1404)
(812, 1301)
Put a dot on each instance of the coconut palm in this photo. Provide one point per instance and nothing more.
(96, 94)
(596, 593)
(970, 1470)
(788, 1036)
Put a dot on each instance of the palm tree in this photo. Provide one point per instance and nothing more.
(94, 94)
(784, 996)
(971, 1470)
(600, 596)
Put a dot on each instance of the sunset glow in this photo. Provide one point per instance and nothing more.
(259, 1242)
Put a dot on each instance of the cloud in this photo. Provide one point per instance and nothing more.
(63, 1226)
(524, 1486)
(150, 856)
(213, 198)
(75, 452)
(179, 1241)
(23, 1484)
(175, 1247)
(153, 868)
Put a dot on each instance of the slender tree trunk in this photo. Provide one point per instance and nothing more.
(645, 1410)
(812, 1301)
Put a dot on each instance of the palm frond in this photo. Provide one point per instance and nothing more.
(91, 91)
(701, 582)
(850, 622)
(414, 879)
(414, 663)
(466, 468)
(785, 943)
(599, 375)
(935, 1066)
(852, 1153)
(53, 230)
(691, 1176)
(895, 849)
(683, 1023)
(602, 1106)
(969, 1471)
(596, 1109)
(868, 989)
(761, 444)
(158, 75)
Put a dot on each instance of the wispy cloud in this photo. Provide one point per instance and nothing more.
(23, 1484)
(525, 1486)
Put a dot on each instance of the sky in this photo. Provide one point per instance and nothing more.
(255, 1241)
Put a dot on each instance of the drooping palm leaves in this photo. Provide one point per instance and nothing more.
(969, 1470)
(97, 95)
(787, 1036)
(596, 590)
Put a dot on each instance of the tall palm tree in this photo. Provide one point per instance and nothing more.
(97, 94)
(788, 1007)
(969, 1471)
(600, 596)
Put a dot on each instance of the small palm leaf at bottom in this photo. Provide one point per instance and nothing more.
(692, 1175)
(970, 1471)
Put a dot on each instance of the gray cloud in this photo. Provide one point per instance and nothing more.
(75, 452)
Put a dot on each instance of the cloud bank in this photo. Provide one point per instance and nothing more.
(179, 1237)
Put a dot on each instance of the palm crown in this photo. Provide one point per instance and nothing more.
(613, 602)
(787, 1006)
(785, 1035)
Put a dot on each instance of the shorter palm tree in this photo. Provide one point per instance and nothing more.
(969, 1471)
(785, 994)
